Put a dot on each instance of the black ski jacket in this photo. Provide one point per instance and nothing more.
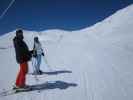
(21, 49)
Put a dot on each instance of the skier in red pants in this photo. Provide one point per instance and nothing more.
(23, 55)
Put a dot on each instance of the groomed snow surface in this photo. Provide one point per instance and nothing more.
(95, 63)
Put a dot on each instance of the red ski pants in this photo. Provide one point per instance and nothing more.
(21, 78)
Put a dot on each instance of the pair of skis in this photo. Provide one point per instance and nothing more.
(14, 91)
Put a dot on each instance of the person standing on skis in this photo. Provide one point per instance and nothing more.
(37, 54)
(23, 55)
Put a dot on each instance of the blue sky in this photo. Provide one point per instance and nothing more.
(56, 14)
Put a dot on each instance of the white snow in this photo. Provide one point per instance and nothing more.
(100, 58)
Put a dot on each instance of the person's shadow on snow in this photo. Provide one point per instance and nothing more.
(57, 72)
(52, 85)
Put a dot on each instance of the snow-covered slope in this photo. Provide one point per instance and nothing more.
(100, 58)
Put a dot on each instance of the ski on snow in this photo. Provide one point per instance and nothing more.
(13, 91)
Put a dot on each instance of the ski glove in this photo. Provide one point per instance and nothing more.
(42, 54)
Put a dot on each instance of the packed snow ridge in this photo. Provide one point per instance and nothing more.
(100, 59)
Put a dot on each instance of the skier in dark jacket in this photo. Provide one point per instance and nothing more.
(23, 55)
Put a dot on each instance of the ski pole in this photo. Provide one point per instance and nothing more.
(45, 60)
